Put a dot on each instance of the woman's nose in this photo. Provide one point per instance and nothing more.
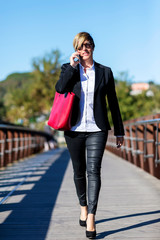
(84, 46)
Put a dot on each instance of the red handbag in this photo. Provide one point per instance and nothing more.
(60, 116)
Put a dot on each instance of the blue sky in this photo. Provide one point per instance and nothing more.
(126, 33)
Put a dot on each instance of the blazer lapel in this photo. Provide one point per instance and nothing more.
(77, 87)
(98, 75)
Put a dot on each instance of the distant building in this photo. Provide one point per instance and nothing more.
(149, 93)
(137, 88)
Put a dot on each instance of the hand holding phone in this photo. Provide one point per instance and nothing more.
(74, 59)
(78, 58)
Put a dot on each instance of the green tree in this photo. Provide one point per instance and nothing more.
(35, 98)
(2, 110)
(46, 73)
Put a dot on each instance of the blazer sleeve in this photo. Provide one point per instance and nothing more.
(114, 106)
(66, 78)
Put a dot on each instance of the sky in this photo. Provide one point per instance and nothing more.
(126, 34)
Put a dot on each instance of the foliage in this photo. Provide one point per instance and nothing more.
(46, 74)
(135, 106)
(2, 110)
(14, 81)
(32, 97)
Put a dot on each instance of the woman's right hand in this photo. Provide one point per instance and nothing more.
(74, 55)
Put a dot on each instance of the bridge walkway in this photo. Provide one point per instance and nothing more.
(38, 200)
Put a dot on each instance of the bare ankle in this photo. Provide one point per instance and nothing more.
(91, 216)
(84, 212)
(91, 222)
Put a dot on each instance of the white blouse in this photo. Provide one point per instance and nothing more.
(87, 121)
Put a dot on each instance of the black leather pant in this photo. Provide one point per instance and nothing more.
(92, 145)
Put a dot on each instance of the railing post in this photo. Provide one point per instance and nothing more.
(131, 144)
(156, 166)
(2, 148)
(30, 144)
(8, 148)
(25, 144)
(21, 146)
(127, 144)
(140, 145)
(134, 144)
(149, 156)
(15, 146)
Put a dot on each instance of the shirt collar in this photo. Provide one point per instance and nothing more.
(92, 67)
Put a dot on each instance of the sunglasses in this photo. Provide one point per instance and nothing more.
(87, 45)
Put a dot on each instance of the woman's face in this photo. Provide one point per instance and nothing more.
(86, 51)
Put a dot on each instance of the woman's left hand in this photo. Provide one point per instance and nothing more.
(119, 141)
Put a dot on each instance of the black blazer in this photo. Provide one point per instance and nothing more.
(69, 81)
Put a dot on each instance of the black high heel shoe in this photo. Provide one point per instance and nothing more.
(90, 234)
(82, 223)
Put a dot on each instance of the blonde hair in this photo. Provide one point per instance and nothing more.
(80, 38)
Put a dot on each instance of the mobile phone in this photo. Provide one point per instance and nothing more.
(78, 58)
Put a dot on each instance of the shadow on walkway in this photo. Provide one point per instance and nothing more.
(107, 233)
(30, 217)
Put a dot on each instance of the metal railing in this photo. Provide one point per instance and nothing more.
(141, 145)
(19, 142)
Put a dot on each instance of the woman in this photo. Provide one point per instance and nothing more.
(91, 82)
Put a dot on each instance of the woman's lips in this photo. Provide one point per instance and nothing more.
(85, 54)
